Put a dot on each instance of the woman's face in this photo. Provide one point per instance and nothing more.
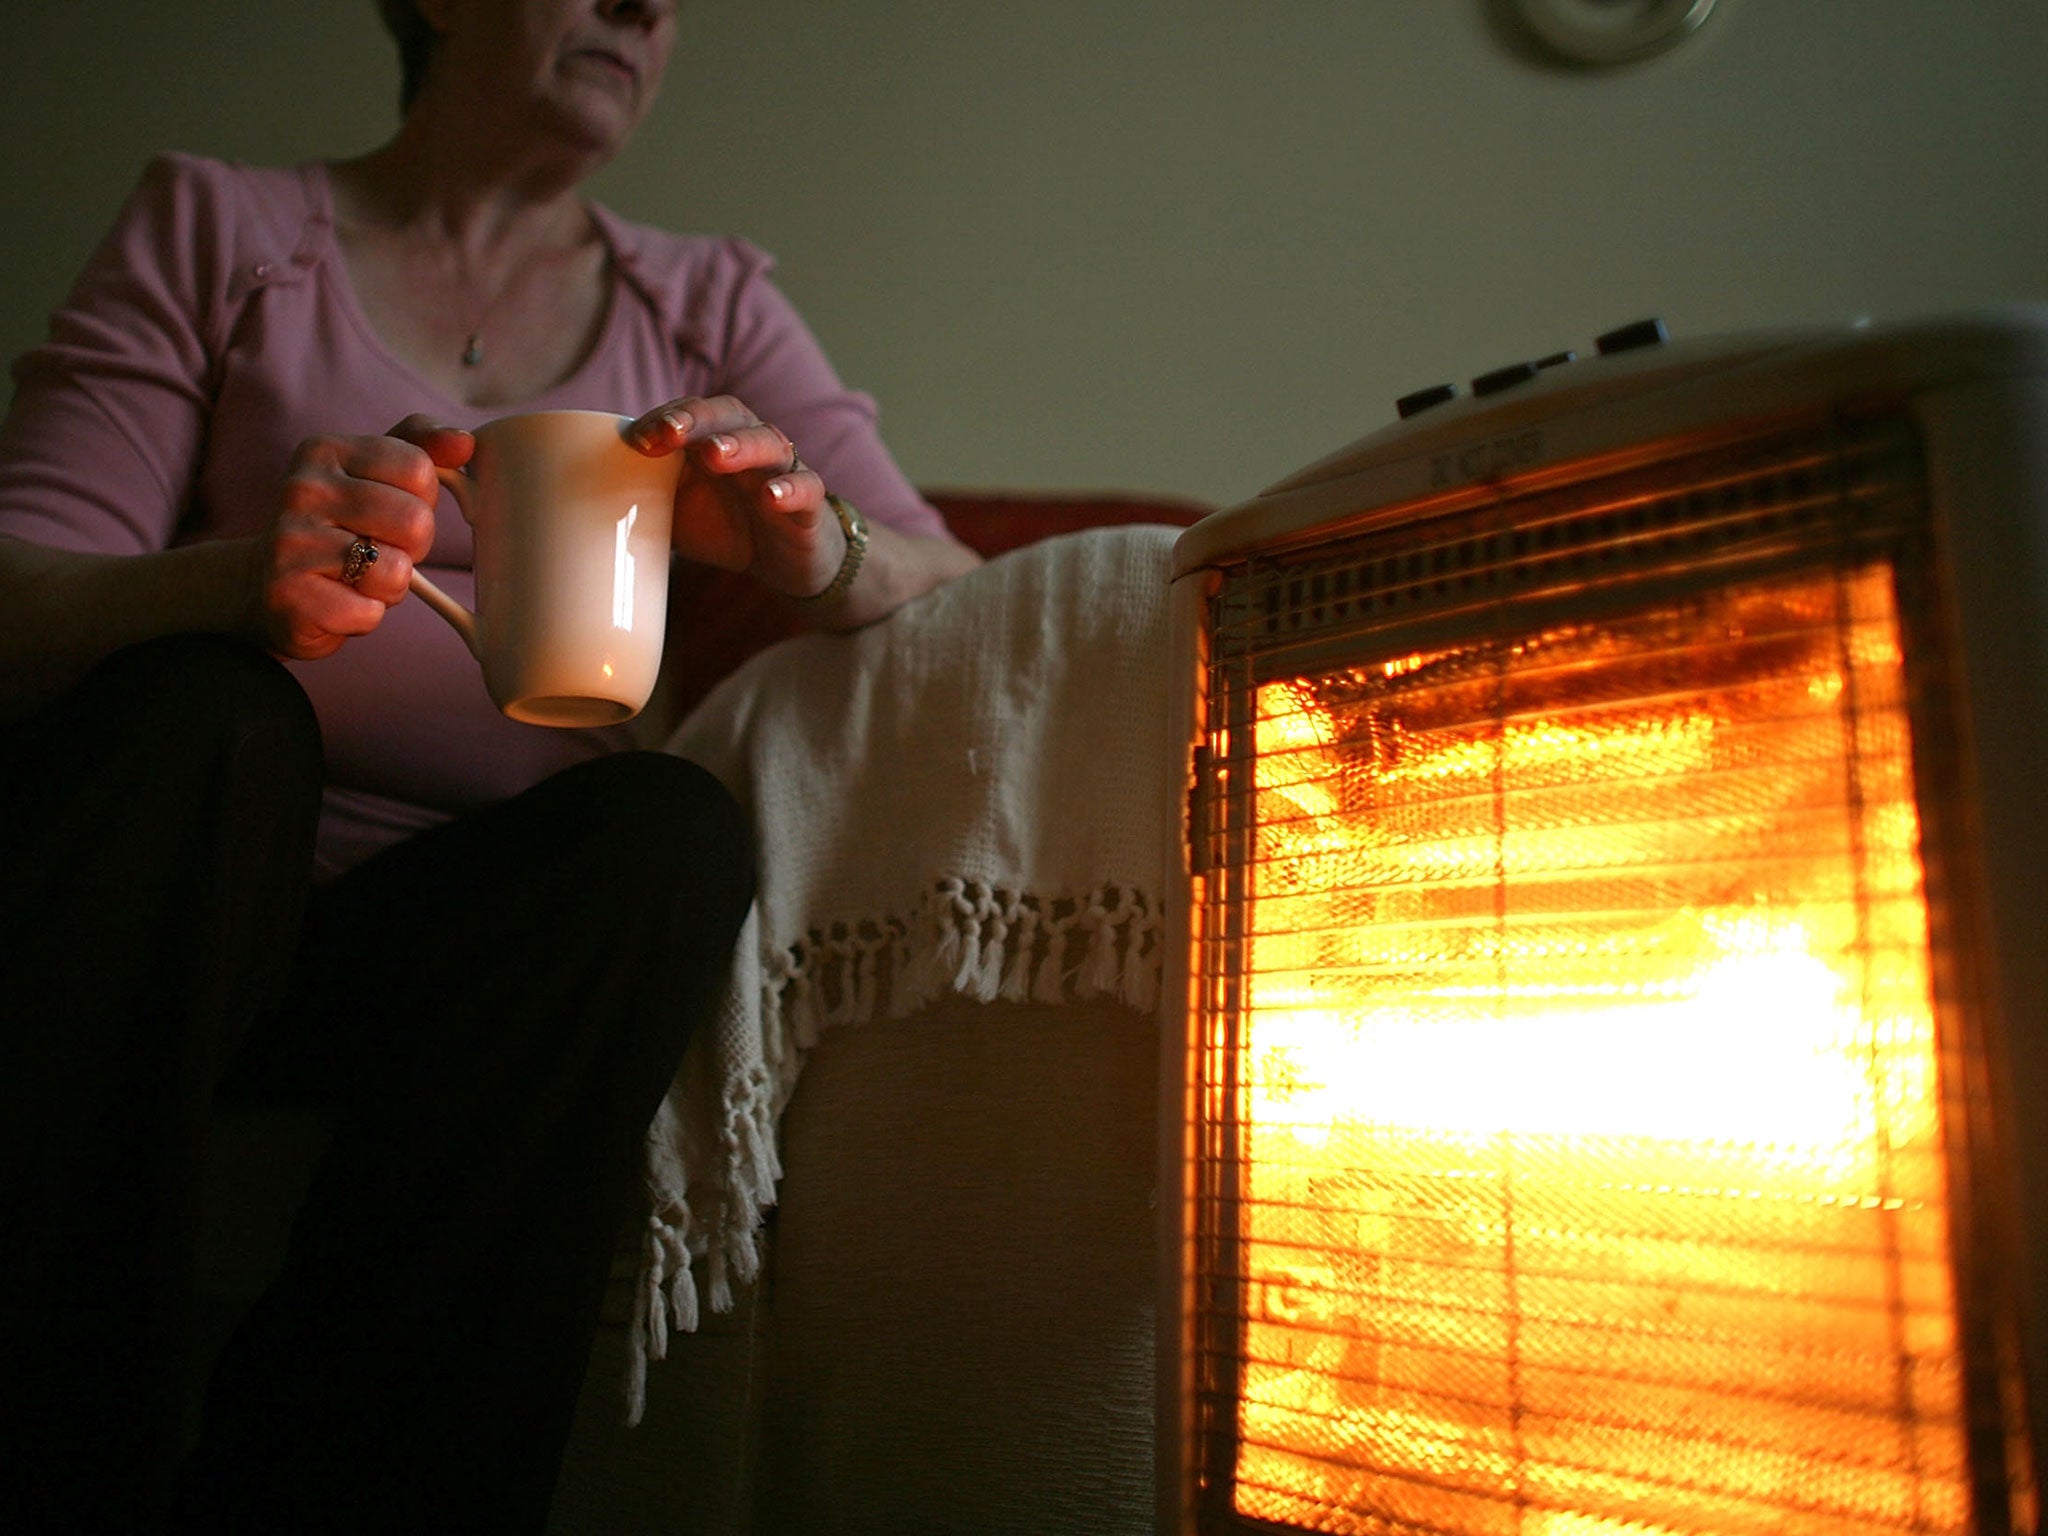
(589, 69)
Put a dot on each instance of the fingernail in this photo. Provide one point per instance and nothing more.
(679, 422)
(725, 444)
(779, 489)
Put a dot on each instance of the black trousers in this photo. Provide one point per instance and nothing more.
(489, 1012)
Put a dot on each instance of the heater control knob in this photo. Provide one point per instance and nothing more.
(1505, 378)
(1626, 338)
(1423, 399)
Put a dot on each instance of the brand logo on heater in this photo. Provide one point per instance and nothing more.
(1486, 460)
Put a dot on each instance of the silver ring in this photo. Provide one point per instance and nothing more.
(795, 463)
(359, 557)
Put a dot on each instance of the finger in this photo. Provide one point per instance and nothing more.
(353, 498)
(797, 540)
(313, 612)
(449, 447)
(759, 446)
(383, 487)
(662, 430)
(338, 611)
(798, 494)
(310, 544)
(388, 460)
(689, 419)
(381, 572)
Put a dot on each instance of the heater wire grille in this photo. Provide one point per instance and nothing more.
(1566, 1056)
(1685, 518)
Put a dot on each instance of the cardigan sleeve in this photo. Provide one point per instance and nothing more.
(103, 438)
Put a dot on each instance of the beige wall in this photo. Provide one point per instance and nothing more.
(1181, 245)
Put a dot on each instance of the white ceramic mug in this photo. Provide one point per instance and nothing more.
(572, 557)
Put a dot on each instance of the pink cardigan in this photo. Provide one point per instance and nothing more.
(215, 328)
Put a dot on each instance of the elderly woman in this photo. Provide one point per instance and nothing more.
(507, 930)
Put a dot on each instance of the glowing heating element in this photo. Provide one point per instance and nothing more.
(1589, 1169)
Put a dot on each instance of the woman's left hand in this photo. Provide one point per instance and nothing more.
(744, 501)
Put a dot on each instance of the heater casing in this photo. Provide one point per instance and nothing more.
(1974, 388)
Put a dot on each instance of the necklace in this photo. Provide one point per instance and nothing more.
(473, 344)
(442, 280)
(473, 348)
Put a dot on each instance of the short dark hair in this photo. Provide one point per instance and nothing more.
(415, 39)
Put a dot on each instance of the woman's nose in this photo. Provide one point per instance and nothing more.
(629, 12)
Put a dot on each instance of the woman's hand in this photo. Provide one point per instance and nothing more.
(63, 610)
(338, 490)
(744, 501)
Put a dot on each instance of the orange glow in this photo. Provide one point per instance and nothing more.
(1592, 1178)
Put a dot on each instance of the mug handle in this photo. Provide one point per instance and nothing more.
(459, 618)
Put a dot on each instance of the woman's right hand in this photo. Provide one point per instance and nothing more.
(337, 490)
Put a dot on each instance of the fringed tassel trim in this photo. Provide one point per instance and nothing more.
(664, 1263)
(965, 937)
(972, 939)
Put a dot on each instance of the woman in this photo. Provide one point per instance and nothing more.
(510, 929)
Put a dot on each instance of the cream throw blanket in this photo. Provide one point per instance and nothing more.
(973, 796)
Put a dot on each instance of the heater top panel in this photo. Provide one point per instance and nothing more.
(1602, 412)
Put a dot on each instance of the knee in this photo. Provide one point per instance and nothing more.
(177, 787)
(211, 727)
(661, 824)
(206, 677)
(206, 696)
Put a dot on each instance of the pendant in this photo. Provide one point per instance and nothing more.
(474, 352)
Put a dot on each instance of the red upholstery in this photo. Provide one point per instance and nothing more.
(990, 522)
(732, 617)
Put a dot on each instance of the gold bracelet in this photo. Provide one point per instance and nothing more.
(855, 527)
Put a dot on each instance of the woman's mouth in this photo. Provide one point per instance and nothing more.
(616, 65)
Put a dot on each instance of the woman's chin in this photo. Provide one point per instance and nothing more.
(592, 127)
